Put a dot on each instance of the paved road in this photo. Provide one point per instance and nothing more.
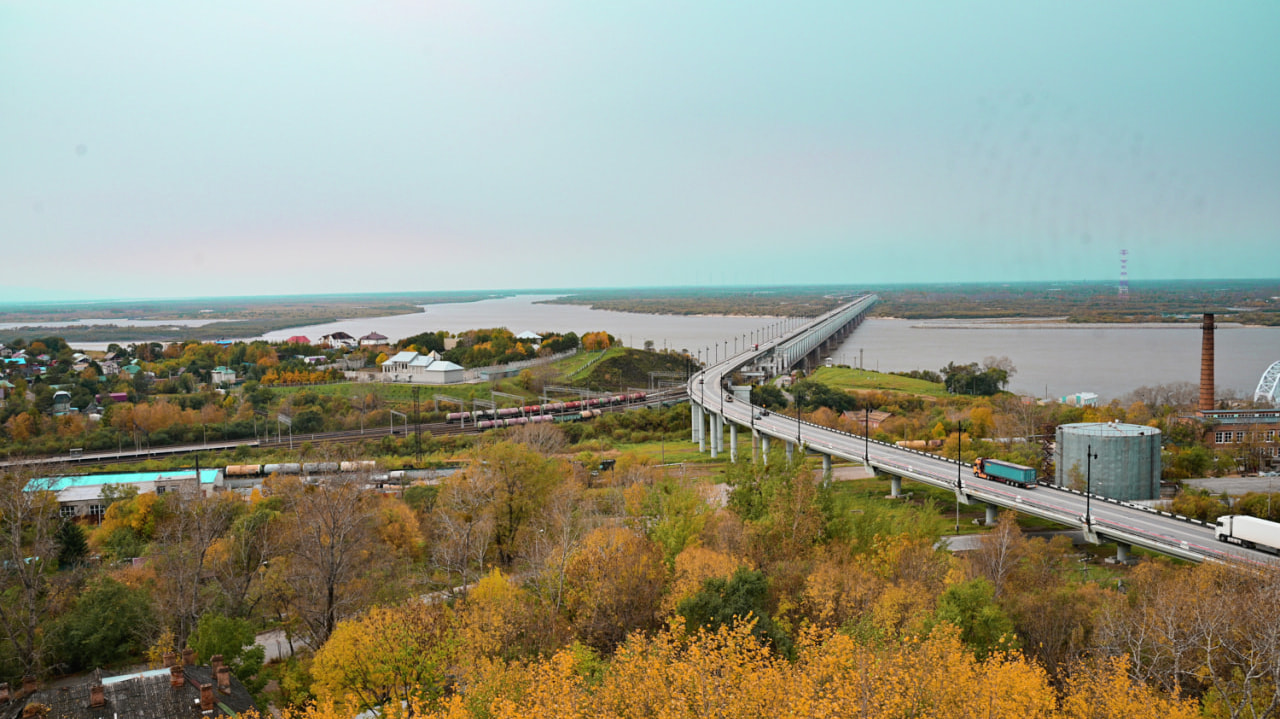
(1110, 521)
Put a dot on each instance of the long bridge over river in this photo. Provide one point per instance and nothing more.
(716, 406)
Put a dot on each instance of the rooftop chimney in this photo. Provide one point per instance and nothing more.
(28, 684)
(188, 657)
(170, 658)
(177, 676)
(224, 679)
(206, 697)
(97, 697)
(1206, 363)
(215, 661)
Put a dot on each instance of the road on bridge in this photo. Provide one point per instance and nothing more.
(1108, 520)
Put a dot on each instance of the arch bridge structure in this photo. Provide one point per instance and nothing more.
(719, 409)
(1266, 391)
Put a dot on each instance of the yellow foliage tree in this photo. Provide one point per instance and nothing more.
(389, 655)
(694, 566)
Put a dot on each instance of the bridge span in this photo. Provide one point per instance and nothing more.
(714, 404)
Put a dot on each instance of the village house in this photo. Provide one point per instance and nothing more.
(221, 375)
(339, 339)
(181, 689)
(429, 368)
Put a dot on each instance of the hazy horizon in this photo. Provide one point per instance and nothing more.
(487, 292)
(169, 151)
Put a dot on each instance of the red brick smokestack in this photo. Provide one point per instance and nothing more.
(1206, 363)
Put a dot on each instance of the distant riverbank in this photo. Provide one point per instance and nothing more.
(1055, 360)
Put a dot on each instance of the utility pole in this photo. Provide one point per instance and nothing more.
(417, 420)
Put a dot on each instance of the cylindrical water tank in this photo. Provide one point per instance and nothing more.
(1125, 462)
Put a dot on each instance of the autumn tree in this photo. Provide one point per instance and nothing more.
(28, 523)
(999, 552)
(462, 523)
(521, 479)
(614, 584)
(389, 655)
(329, 548)
(1210, 631)
(191, 526)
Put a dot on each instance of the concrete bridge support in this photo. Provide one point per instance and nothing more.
(733, 442)
(1123, 552)
(700, 428)
(826, 468)
(694, 416)
(755, 446)
(895, 487)
(791, 448)
(764, 447)
(715, 435)
(991, 515)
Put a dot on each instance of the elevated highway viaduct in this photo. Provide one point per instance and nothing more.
(716, 406)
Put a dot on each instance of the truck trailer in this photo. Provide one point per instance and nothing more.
(1249, 531)
(1006, 472)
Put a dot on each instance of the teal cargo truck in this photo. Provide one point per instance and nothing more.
(1006, 472)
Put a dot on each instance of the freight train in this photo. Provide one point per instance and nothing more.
(262, 470)
(533, 411)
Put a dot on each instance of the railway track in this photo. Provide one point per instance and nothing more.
(435, 429)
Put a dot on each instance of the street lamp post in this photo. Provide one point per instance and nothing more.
(1088, 483)
(959, 469)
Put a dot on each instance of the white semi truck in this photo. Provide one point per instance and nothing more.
(1249, 531)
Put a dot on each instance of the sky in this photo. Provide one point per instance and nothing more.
(171, 149)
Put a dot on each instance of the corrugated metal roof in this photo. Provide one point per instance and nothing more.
(444, 365)
(56, 484)
(402, 356)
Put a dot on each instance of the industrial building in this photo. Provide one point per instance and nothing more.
(81, 495)
(1109, 459)
(1253, 435)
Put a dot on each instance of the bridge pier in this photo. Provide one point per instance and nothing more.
(826, 468)
(693, 421)
(895, 487)
(764, 447)
(715, 435)
(791, 447)
(991, 515)
(700, 428)
(733, 442)
(1123, 550)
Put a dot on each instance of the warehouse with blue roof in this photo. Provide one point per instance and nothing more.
(82, 495)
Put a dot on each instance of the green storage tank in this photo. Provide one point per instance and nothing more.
(1125, 463)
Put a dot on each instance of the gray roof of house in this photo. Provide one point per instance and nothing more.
(144, 695)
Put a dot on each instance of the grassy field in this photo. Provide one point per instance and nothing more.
(402, 394)
(845, 378)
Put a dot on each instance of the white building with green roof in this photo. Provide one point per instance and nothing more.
(82, 495)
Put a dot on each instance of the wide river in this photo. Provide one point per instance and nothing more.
(1052, 359)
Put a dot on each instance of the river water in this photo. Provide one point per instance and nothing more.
(522, 313)
(1052, 359)
(1056, 359)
